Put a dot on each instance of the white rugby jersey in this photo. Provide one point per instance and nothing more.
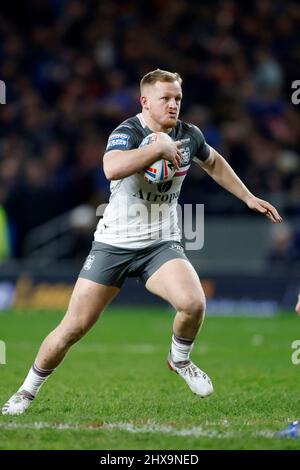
(140, 213)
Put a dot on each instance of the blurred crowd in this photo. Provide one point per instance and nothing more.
(72, 70)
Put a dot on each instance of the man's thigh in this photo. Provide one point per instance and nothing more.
(107, 264)
(177, 282)
(87, 302)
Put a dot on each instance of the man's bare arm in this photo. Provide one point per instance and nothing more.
(118, 164)
(218, 168)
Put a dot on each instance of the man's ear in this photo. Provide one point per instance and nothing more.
(144, 102)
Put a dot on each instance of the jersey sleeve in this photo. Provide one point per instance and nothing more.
(122, 138)
(202, 149)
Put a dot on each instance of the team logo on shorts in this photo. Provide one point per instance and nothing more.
(89, 262)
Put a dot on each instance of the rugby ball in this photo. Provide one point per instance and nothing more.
(159, 171)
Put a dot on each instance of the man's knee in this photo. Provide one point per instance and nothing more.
(192, 306)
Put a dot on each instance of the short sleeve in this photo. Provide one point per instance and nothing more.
(202, 149)
(122, 138)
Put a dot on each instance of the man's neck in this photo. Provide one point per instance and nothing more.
(152, 125)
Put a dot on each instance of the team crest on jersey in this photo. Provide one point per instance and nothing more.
(120, 140)
(185, 155)
(89, 262)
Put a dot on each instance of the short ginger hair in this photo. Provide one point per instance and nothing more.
(159, 75)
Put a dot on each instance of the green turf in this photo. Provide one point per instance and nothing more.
(117, 375)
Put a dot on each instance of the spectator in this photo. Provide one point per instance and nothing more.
(70, 66)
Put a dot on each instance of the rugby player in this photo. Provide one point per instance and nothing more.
(126, 243)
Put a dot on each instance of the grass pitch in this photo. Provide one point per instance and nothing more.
(114, 390)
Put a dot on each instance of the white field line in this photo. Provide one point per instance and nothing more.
(130, 348)
(136, 429)
(126, 348)
(95, 347)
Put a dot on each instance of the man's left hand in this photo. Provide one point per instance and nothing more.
(264, 207)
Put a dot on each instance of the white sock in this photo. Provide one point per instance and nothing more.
(35, 379)
(181, 348)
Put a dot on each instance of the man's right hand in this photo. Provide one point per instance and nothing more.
(169, 149)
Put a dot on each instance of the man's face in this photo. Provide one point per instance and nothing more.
(162, 102)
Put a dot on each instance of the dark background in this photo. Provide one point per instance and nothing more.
(72, 70)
